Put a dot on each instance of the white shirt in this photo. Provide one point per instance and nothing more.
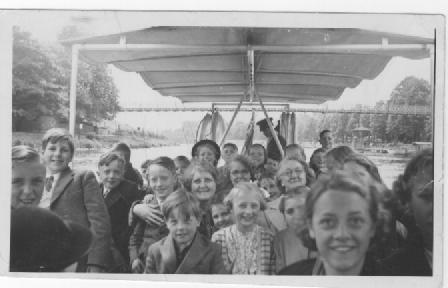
(45, 201)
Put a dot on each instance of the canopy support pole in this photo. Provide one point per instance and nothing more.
(73, 81)
(271, 128)
(433, 83)
(231, 122)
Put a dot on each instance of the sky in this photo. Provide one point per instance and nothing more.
(133, 92)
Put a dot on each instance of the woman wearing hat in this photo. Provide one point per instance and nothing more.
(271, 148)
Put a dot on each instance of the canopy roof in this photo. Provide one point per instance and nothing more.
(222, 64)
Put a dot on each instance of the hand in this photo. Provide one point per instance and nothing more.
(95, 269)
(137, 266)
(150, 213)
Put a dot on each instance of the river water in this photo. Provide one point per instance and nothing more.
(389, 166)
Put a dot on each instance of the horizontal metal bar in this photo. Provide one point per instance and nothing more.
(192, 84)
(394, 110)
(350, 48)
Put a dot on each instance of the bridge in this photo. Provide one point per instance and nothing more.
(394, 110)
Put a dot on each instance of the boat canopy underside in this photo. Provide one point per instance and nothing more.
(220, 64)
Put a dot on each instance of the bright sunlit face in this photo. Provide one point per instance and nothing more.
(205, 153)
(292, 174)
(295, 213)
(342, 227)
(221, 216)
(161, 181)
(228, 153)
(112, 174)
(246, 207)
(203, 185)
(256, 155)
(28, 180)
(57, 156)
(182, 228)
(238, 173)
(422, 204)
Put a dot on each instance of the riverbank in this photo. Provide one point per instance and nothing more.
(94, 142)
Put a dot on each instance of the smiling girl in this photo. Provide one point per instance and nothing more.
(341, 213)
(246, 247)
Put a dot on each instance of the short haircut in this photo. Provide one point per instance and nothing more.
(265, 153)
(299, 192)
(123, 147)
(198, 166)
(24, 154)
(296, 146)
(243, 160)
(367, 164)
(340, 153)
(109, 157)
(347, 183)
(244, 187)
(231, 145)
(165, 162)
(321, 134)
(424, 160)
(55, 135)
(186, 202)
(182, 159)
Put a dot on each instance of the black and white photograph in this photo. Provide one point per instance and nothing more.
(224, 147)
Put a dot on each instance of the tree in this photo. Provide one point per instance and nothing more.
(37, 84)
(408, 128)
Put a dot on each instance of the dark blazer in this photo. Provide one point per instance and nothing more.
(306, 267)
(77, 197)
(408, 261)
(118, 202)
(272, 149)
(203, 257)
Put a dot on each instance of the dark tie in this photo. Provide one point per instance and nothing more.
(49, 183)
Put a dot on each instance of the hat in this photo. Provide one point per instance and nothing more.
(42, 242)
(264, 124)
(206, 142)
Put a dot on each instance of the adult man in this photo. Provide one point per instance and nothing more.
(272, 149)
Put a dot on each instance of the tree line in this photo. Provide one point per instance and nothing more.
(41, 84)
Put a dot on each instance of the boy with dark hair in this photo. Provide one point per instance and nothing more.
(184, 250)
(118, 196)
(130, 173)
(75, 196)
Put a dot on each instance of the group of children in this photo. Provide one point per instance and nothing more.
(253, 215)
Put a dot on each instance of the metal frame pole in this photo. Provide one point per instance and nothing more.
(231, 122)
(73, 82)
(271, 128)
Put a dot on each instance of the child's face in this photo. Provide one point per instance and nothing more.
(180, 168)
(246, 207)
(238, 173)
(181, 228)
(228, 153)
(161, 181)
(112, 174)
(269, 185)
(57, 156)
(256, 155)
(271, 165)
(293, 153)
(221, 216)
(207, 154)
(319, 160)
(203, 185)
(295, 213)
(28, 180)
